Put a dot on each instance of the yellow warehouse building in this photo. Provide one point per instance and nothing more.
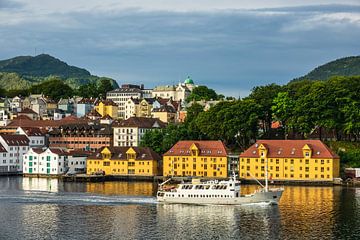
(196, 159)
(136, 161)
(291, 160)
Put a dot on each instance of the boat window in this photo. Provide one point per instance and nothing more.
(230, 184)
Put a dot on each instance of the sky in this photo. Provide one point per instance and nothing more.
(228, 45)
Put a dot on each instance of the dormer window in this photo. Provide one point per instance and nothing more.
(307, 154)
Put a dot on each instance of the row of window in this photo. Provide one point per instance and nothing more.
(189, 173)
(305, 176)
(198, 195)
(80, 142)
(277, 161)
(307, 169)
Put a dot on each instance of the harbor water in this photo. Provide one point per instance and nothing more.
(41, 208)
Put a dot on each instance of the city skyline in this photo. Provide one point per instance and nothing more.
(230, 46)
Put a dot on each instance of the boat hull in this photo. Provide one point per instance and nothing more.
(271, 197)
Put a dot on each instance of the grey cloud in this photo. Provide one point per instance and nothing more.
(231, 51)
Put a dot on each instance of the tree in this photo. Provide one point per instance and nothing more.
(264, 96)
(88, 90)
(202, 93)
(54, 88)
(104, 87)
(282, 108)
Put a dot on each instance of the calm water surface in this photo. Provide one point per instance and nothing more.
(35, 208)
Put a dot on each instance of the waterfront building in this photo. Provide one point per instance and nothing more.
(107, 107)
(85, 136)
(130, 131)
(35, 135)
(134, 161)
(13, 149)
(76, 161)
(196, 159)
(45, 162)
(121, 95)
(290, 160)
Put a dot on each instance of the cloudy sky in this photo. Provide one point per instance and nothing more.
(228, 45)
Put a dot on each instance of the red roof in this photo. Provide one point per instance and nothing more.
(27, 111)
(15, 140)
(206, 148)
(2, 149)
(290, 149)
(33, 131)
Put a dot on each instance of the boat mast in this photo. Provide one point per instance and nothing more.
(266, 176)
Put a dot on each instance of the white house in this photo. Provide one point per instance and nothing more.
(130, 131)
(77, 161)
(51, 161)
(36, 137)
(15, 146)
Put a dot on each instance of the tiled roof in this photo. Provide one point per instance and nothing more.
(126, 90)
(22, 122)
(87, 101)
(58, 151)
(27, 111)
(15, 140)
(33, 131)
(37, 150)
(119, 153)
(106, 102)
(140, 122)
(206, 148)
(290, 149)
(164, 108)
(2, 149)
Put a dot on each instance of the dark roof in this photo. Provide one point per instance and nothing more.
(206, 148)
(87, 101)
(164, 108)
(119, 153)
(141, 122)
(290, 149)
(2, 149)
(27, 111)
(106, 102)
(15, 140)
(33, 131)
(126, 90)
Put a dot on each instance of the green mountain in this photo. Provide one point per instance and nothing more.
(23, 71)
(348, 66)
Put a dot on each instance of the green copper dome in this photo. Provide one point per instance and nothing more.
(188, 81)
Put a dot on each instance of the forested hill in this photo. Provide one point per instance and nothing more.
(348, 66)
(42, 66)
(23, 71)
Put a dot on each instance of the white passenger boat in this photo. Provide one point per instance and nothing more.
(217, 192)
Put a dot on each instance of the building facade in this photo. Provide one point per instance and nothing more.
(129, 132)
(196, 159)
(134, 161)
(107, 108)
(120, 96)
(15, 147)
(290, 160)
(45, 162)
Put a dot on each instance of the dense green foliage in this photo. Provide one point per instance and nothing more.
(21, 72)
(54, 88)
(348, 66)
(349, 152)
(93, 90)
(203, 93)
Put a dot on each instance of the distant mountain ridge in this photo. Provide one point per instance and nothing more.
(347, 66)
(23, 71)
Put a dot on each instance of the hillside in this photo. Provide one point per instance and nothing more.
(23, 71)
(348, 66)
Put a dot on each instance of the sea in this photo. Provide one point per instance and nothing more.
(42, 208)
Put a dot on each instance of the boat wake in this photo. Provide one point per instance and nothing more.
(44, 197)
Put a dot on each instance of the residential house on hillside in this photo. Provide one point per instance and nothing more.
(196, 159)
(29, 113)
(16, 104)
(84, 106)
(130, 131)
(165, 113)
(107, 107)
(15, 146)
(38, 105)
(133, 161)
(139, 107)
(66, 104)
(290, 160)
(121, 95)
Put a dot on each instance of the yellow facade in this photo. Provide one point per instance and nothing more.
(103, 108)
(195, 165)
(143, 109)
(306, 168)
(167, 117)
(128, 165)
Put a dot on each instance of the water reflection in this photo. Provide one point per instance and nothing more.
(122, 188)
(40, 184)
